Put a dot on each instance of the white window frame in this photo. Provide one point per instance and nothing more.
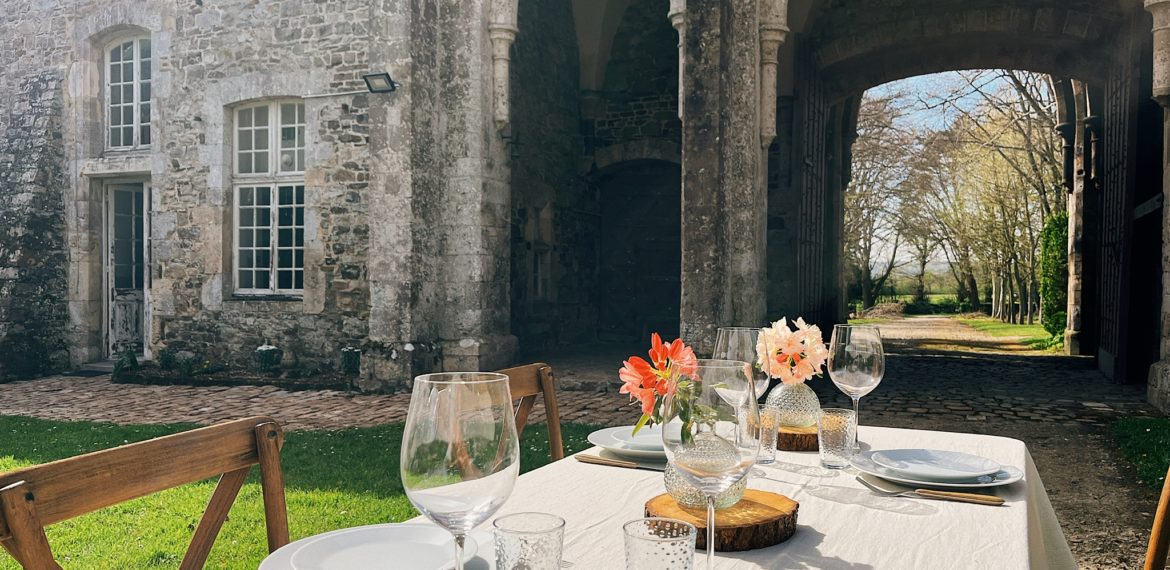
(274, 179)
(136, 86)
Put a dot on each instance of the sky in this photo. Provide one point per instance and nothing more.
(922, 96)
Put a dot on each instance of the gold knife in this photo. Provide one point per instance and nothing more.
(598, 460)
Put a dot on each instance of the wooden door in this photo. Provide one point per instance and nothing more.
(125, 267)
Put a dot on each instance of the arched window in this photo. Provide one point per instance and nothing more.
(269, 182)
(128, 94)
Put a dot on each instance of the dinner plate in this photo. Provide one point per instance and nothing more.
(648, 438)
(935, 464)
(408, 545)
(604, 438)
(863, 461)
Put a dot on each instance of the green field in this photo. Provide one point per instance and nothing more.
(334, 480)
(1032, 335)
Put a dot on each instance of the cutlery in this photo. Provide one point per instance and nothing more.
(976, 498)
(596, 460)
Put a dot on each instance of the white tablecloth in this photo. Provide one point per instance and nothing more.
(840, 525)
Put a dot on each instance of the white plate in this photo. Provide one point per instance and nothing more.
(648, 438)
(408, 545)
(935, 464)
(862, 461)
(604, 438)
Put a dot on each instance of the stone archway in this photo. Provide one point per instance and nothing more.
(640, 250)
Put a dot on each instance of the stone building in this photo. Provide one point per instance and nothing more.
(208, 175)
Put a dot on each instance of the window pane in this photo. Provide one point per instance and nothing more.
(300, 221)
(246, 196)
(263, 195)
(261, 116)
(115, 137)
(284, 238)
(261, 160)
(128, 51)
(286, 195)
(245, 279)
(264, 217)
(263, 258)
(284, 280)
(288, 161)
(263, 239)
(144, 49)
(284, 258)
(262, 280)
(300, 280)
(299, 262)
(116, 54)
(128, 93)
(246, 259)
(260, 138)
(246, 236)
(144, 93)
(144, 70)
(300, 194)
(245, 141)
(244, 118)
(115, 74)
(123, 277)
(288, 114)
(247, 218)
(244, 163)
(299, 241)
(144, 135)
(127, 135)
(144, 113)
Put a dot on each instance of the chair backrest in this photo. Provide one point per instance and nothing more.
(1160, 534)
(41, 495)
(526, 382)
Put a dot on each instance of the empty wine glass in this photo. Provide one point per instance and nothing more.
(856, 362)
(704, 431)
(460, 453)
(739, 343)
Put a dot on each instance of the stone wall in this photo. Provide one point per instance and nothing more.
(554, 215)
(33, 315)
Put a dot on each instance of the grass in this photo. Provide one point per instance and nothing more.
(333, 480)
(1146, 443)
(1034, 336)
(867, 321)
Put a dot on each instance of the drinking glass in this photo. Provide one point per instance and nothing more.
(705, 420)
(460, 454)
(856, 362)
(529, 541)
(662, 544)
(739, 343)
(836, 432)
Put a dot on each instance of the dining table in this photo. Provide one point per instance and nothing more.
(841, 524)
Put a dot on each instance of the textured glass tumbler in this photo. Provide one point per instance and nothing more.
(662, 544)
(769, 424)
(836, 430)
(529, 541)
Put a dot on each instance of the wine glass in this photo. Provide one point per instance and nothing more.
(704, 433)
(856, 362)
(739, 343)
(460, 452)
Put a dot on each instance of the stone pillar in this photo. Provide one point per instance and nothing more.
(723, 205)
(773, 30)
(502, 30)
(678, 19)
(1074, 144)
(1158, 390)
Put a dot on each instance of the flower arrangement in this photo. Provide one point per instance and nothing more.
(650, 382)
(792, 355)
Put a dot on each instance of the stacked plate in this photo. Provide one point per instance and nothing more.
(935, 468)
(645, 446)
(420, 546)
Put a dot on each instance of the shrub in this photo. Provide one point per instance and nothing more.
(351, 361)
(166, 359)
(1054, 274)
(125, 361)
(188, 366)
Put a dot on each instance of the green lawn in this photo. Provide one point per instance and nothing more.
(867, 321)
(1032, 335)
(1146, 443)
(334, 480)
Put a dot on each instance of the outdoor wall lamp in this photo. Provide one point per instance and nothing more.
(375, 83)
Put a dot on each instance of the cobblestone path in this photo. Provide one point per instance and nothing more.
(940, 374)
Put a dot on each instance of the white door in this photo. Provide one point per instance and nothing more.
(125, 267)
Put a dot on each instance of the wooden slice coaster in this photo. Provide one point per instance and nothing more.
(797, 438)
(760, 520)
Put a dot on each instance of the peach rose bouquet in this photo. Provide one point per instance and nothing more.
(650, 382)
(793, 355)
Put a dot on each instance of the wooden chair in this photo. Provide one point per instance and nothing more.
(41, 495)
(1160, 535)
(526, 382)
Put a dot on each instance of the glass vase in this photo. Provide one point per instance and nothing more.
(797, 404)
(689, 495)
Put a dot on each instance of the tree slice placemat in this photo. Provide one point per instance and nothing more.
(797, 438)
(761, 519)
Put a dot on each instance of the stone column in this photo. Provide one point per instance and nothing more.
(678, 19)
(1158, 390)
(1073, 135)
(773, 31)
(723, 204)
(502, 30)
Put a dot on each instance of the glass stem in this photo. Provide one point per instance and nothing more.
(459, 539)
(710, 532)
(856, 425)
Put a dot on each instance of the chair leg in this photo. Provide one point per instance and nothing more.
(269, 440)
(28, 543)
(1159, 537)
(213, 518)
(552, 413)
